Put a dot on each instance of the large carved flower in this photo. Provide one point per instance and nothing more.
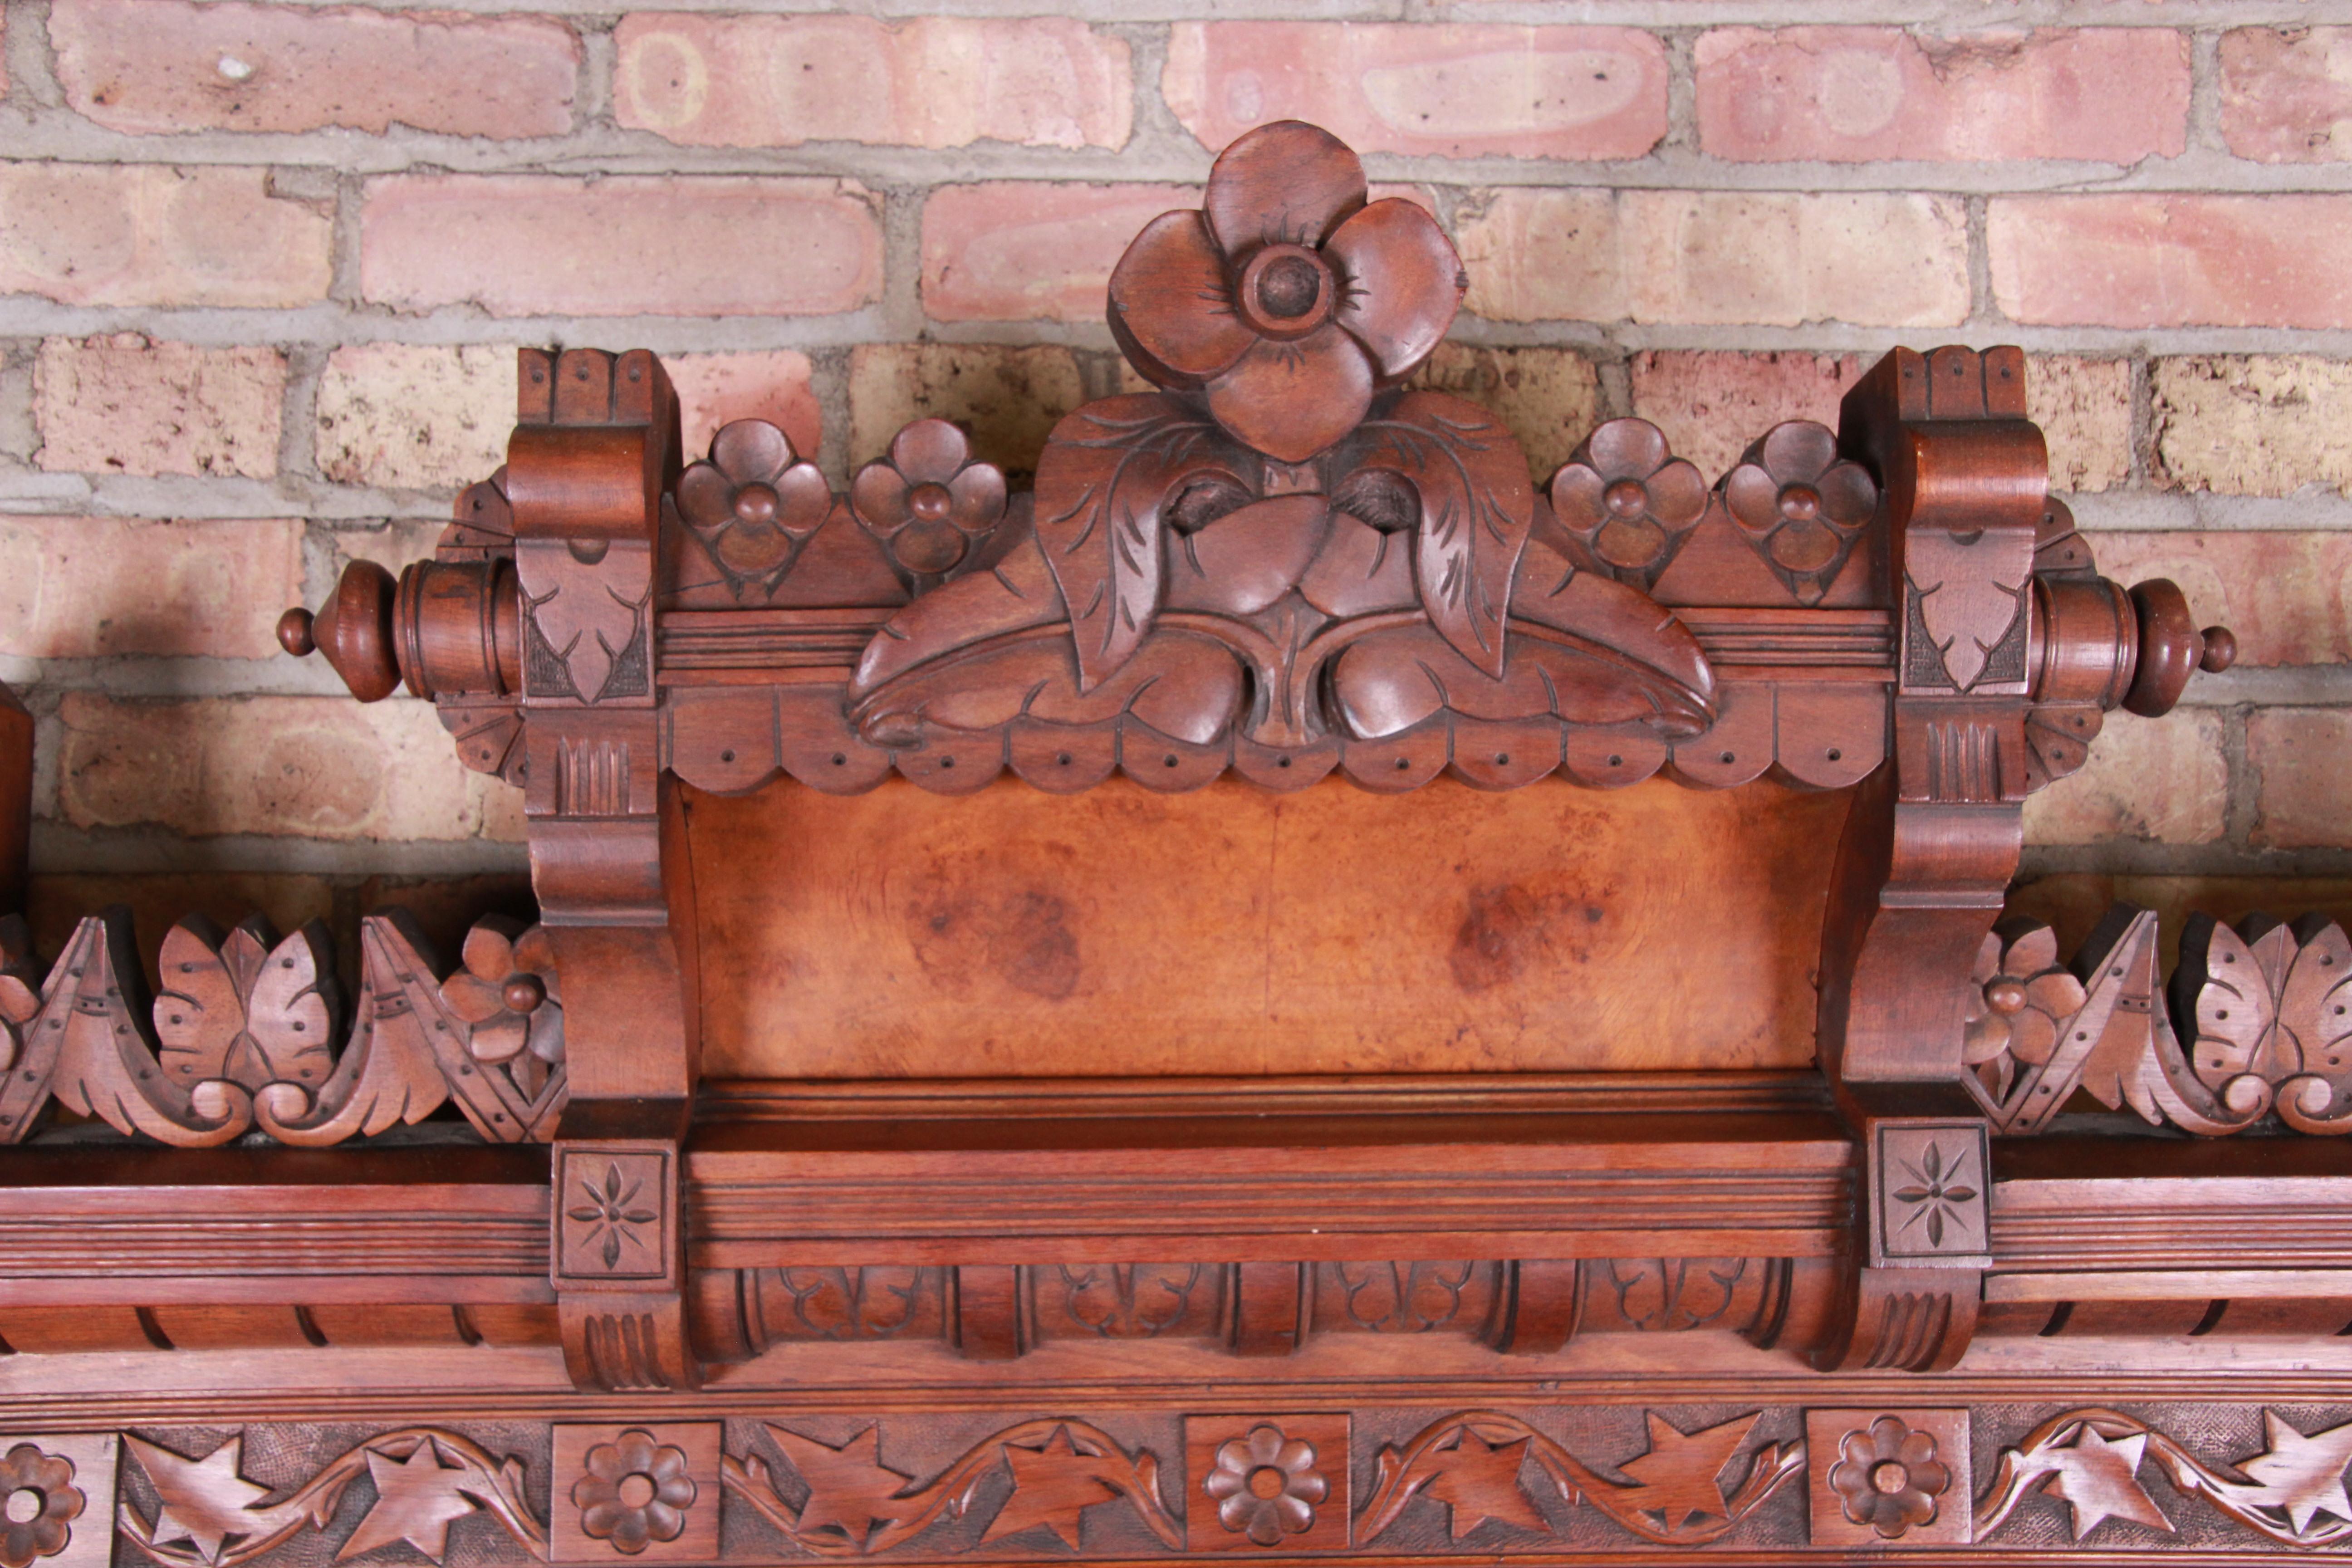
(1628, 498)
(507, 992)
(754, 502)
(635, 1492)
(1800, 504)
(38, 1503)
(2019, 997)
(1286, 297)
(1888, 1477)
(1266, 1485)
(927, 502)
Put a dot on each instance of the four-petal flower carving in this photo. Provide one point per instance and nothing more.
(1888, 1477)
(2019, 998)
(1935, 1193)
(1266, 1485)
(1628, 498)
(1287, 297)
(928, 501)
(636, 1492)
(1800, 505)
(754, 503)
(507, 992)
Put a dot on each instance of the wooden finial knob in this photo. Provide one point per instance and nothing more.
(2220, 650)
(353, 628)
(294, 632)
(2171, 648)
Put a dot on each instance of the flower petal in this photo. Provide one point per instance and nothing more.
(978, 494)
(753, 548)
(749, 450)
(1287, 182)
(473, 998)
(534, 950)
(1849, 495)
(2033, 1036)
(1576, 492)
(1677, 494)
(930, 451)
(499, 1039)
(1626, 449)
(1799, 450)
(1986, 1039)
(1753, 497)
(706, 498)
(489, 950)
(1987, 961)
(1172, 305)
(878, 496)
(2058, 994)
(1400, 283)
(1292, 400)
(803, 499)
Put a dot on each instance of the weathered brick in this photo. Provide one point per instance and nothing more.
(2109, 95)
(91, 587)
(168, 65)
(2297, 757)
(1762, 259)
(98, 234)
(2153, 260)
(414, 416)
(2288, 595)
(2286, 96)
(1548, 398)
(2084, 407)
(933, 81)
(2162, 779)
(320, 767)
(2262, 424)
(521, 245)
(1712, 403)
(1017, 251)
(775, 386)
(1008, 399)
(1543, 255)
(1442, 89)
(123, 405)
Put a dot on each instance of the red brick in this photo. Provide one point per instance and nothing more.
(1543, 255)
(2109, 95)
(2262, 424)
(2161, 779)
(95, 234)
(2288, 595)
(934, 81)
(166, 66)
(322, 767)
(91, 587)
(1445, 90)
(2286, 97)
(2297, 757)
(1711, 404)
(713, 389)
(123, 405)
(522, 245)
(2173, 260)
(1014, 251)
(415, 415)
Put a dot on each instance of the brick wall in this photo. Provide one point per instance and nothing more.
(262, 268)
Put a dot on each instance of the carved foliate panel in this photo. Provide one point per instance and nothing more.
(616, 1209)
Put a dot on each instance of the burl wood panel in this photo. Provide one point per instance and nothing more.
(902, 934)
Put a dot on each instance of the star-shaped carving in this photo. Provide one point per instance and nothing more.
(2100, 1481)
(2305, 1475)
(205, 1500)
(1051, 1486)
(1677, 1475)
(415, 1502)
(1477, 1481)
(850, 1488)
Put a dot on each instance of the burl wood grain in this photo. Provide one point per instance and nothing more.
(900, 935)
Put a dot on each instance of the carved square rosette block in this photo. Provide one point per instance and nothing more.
(56, 1500)
(616, 1216)
(1258, 1483)
(1930, 1186)
(648, 1492)
(1885, 1479)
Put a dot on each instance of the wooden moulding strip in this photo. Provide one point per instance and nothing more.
(2173, 1285)
(117, 1288)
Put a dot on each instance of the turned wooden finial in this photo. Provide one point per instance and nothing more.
(2171, 648)
(353, 628)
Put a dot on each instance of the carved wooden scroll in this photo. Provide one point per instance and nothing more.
(243, 1035)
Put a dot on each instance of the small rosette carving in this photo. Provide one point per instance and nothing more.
(1800, 505)
(1888, 1477)
(38, 1503)
(1288, 298)
(636, 1492)
(1628, 498)
(506, 989)
(754, 503)
(2020, 996)
(1266, 1485)
(929, 502)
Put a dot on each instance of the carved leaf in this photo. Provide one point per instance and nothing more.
(1477, 1481)
(1246, 560)
(1678, 1476)
(1051, 1486)
(1476, 507)
(2235, 1008)
(2302, 1476)
(205, 1501)
(2100, 1481)
(849, 1487)
(1968, 596)
(587, 625)
(416, 1502)
(1106, 473)
(290, 1013)
(388, 1072)
(2316, 1005)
